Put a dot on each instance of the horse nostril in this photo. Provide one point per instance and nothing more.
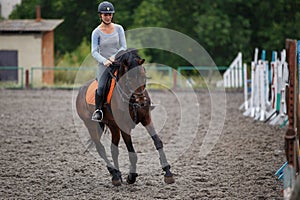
(142, 104)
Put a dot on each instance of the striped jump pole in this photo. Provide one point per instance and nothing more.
(251, 108)
(282, 80)
(274, 104)
(259, 99)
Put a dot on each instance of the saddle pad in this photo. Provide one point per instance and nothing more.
(90, 93)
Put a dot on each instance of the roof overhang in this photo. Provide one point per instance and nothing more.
(25, 25)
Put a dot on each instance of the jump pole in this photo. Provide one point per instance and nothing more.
(282, 78)
(274, 104)
(251, 106)
(259, 83)
(246, 87)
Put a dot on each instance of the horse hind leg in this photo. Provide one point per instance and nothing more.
(115, 134)
(96, 130)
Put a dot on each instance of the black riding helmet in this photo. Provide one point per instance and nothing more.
(106, 7)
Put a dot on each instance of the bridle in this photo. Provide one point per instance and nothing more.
(135, 97)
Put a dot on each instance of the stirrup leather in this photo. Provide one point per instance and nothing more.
(96, 117)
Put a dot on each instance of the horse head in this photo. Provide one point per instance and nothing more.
(132, 75)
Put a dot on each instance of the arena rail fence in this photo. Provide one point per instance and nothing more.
(193, 76)
(160, 77)
(11, 77)
(63, 77)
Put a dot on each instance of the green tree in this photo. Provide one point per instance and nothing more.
(125, 10)
(152, 13)
(222, 27)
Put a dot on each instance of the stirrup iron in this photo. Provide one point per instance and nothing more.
(94, 116)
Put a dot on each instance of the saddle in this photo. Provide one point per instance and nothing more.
(90, 93)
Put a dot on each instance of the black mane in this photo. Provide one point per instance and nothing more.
(126, 55)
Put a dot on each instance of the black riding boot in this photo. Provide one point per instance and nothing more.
(98, 114)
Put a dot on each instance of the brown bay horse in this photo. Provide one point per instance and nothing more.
(130, 104)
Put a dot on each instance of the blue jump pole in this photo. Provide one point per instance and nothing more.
(279, 172)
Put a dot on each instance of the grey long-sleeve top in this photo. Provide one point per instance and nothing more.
(105, 46)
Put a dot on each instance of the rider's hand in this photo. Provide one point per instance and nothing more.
(107, 63)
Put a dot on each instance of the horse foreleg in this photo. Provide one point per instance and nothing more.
(168, 178)
(131, 178)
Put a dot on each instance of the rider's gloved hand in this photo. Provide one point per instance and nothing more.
(107, 63)
(112, 59)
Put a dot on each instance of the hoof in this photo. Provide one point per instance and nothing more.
(116, 182)
(131, 178)
(117, 178)
(169, 179)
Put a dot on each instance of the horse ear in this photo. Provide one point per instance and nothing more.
(126, 64)
(141, 61)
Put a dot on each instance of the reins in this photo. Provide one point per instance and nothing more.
(120, 90)
(133, 99)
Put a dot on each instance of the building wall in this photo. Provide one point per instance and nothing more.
(48, 56)
(29, 47)
(7, 6)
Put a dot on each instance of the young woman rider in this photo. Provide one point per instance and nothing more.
(107, 40)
